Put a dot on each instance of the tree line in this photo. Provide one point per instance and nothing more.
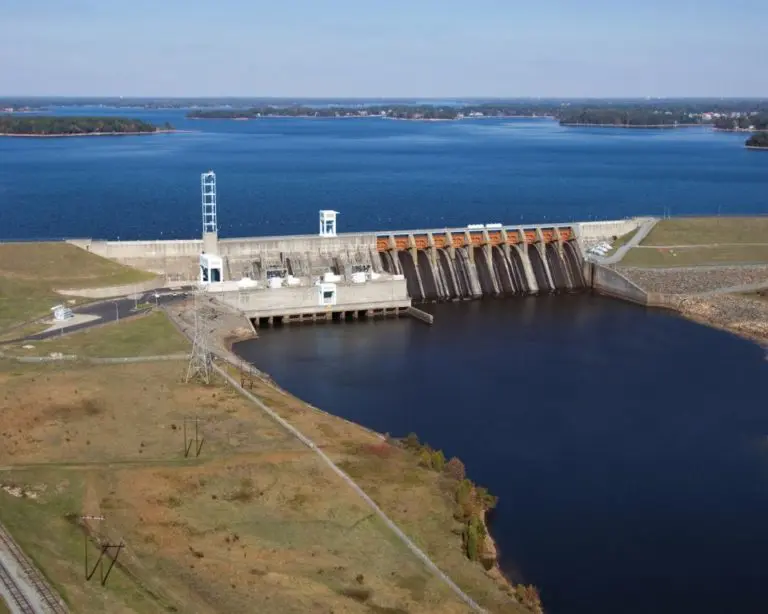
(394, 111)
(627, 117)
(753, 121)
(49, 126)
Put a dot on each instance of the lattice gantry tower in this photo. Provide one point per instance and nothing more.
(210, 220)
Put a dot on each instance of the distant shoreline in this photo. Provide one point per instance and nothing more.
(756, 148)
(664, 126)
(64, 135)
(739, 129)
(406, 119)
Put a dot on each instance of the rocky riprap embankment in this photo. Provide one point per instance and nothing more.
(739, 313)
(711, 295)
(695, 280)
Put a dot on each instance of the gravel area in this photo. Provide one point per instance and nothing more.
(695, 280)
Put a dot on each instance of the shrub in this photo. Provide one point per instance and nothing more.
(528, 596)
(485, 499)
(472, 540)
(464, 499)
(411, 442)
(438, 460)
(454, 468)
(425, 459)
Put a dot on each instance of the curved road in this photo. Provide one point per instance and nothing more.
(110, 310)
(642, 232)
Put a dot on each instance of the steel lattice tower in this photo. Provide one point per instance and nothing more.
(208, 185)
(200, 363)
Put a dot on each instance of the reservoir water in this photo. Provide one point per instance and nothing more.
(274, 174)
(628, 447)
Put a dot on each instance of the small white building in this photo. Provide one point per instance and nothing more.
(211, 269)
(61, 313)
(326, 294)
(328, 223)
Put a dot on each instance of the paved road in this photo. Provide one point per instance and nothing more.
(111, 310)
(643, 231)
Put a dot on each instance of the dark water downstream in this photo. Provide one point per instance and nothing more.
(628, 447)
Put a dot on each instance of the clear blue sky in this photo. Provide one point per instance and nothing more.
(365, 48)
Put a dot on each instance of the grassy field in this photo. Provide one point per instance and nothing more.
(146, 335)
(3, 607)
(257, 523)
(695, 256)
(708, 231)
(30, 274)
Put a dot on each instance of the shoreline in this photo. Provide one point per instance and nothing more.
(490, 547)
(406, 119)
(748, 130)
(65, 136)
(646, 126)
(755, 148)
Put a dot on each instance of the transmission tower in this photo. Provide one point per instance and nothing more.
(200, 365)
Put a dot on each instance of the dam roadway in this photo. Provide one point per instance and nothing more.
(349, 275)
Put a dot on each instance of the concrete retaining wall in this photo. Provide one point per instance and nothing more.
(591, 232)
(610, 282)
(289, 301)
(253, 246)
(110, 291)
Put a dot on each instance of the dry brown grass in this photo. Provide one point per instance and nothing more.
(256, 524)
(30, 274)
(418, 500)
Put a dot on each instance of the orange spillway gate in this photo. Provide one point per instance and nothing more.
(401, 242)
(530, 236)
(494, 237)
(458, 240)
(382, 244)
(548, 234)
(422, 241)
(566, 234)
(439, 240)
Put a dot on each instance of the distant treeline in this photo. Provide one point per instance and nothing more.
(758, 121)
(758, 140)
(68, 126)
(393, 111)
(627, 117)
(617, 113)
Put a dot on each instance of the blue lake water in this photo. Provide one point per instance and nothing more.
(274, 174)
(628, 447)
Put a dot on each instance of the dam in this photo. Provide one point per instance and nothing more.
(332, 276)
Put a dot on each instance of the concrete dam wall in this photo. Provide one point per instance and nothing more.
(300, 278)
(470, 263)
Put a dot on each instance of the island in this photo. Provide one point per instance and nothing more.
(59, 126)
(758, 141)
